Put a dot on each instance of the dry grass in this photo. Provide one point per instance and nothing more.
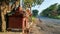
(10, 33)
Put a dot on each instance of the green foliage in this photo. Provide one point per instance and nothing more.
(58, 9)
(35, 13)
(37, 2)
(53, 11)
(28, 3)
(53, 7)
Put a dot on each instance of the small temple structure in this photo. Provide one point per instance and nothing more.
(16, 20)
(19, 20)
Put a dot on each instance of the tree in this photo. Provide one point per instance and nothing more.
(50, 11)
(35, 13)
(4, 8)
(30, 3)
(58, 9)
(4, 5)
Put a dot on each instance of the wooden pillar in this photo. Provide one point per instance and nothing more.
(23, 26)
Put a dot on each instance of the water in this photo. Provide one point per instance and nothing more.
(49, 20)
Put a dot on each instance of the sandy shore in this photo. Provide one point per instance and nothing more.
(45, 28)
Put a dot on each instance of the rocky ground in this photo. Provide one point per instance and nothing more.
(40, 27)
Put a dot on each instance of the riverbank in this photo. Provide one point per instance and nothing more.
(42, 27)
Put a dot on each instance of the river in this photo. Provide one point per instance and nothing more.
(49, 19)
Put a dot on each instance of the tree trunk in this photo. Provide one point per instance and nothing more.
(3, 22)
(3, 9)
